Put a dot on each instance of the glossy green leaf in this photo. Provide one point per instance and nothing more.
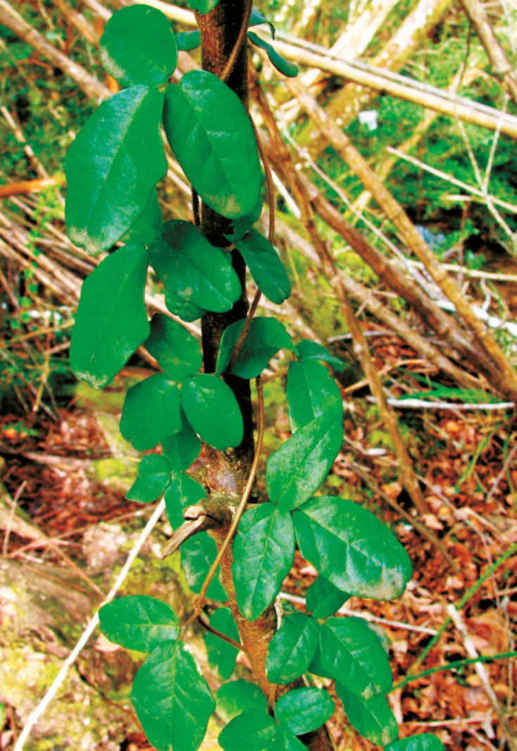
(148, 226)
(242, 225)
(309, 350)
(263, 552)
(197, 555)
(182, 491)
(221, 654)
(177, 351)
(154, 475)
(252, 730)
(352, 548)
(172, 700)
(111, 320)
(323, 598)
(108, 174)
(312, 392)
(188, 40)
(192, 270)
(264, 338)
(138, 622)
(374, 718)
(301, 464)
(212, 137)
(292, 648)
(286, 741)
(265, 266)
(422, 742)
(151, 412)
(236, 697)
(304, 709)
(281, 64)
(351, 652)
(181, 448)
(138, 46)
(212, 410)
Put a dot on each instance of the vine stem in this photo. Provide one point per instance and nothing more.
(206, 625)
(238, 42)
(240, 508)
(271, 237)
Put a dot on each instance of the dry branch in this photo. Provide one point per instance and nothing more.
(502, 374)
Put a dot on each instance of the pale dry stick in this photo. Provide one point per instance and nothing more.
(464, 407)
(482, 674)
(364, 615)
(89, 84)
(304, 191)
(503, 471)
(79, 21)
(501, 370)
(481, 182)
(42, 706)
(450, 178)
(242, 503)
(18, 134)
(502, 67)
(12, 512)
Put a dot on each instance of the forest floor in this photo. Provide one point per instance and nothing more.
(467, 464)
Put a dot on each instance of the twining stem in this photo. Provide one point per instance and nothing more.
(242, 503)
(239, 42)
(206, 625)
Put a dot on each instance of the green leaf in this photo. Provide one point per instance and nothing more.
(351, 652)
(304, 709)
(323, 598)
(265, 336)
(222, 655)
(239, 696)
(151, 412)
(281, 64)
(197, 555)
(422, 742)
(138, 622)
(188, 40)
(353, 549)
(301, 464)
(177, 351)
(243, 224)
(286, 741)
(149, 223)
(292, 648)
(212, 137)
(154, 475)
(172, 700)
(252, 730)
(108, 174)
(111, 320)
(181, 448)
(138, 46)
(203, 6)
(212, 410)
(309, 350)
(374, 718)
(312, 392)
(265, 266)
(183, 491)
(263, 552)
(192, 270)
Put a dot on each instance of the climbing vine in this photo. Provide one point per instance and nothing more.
(234, 551)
